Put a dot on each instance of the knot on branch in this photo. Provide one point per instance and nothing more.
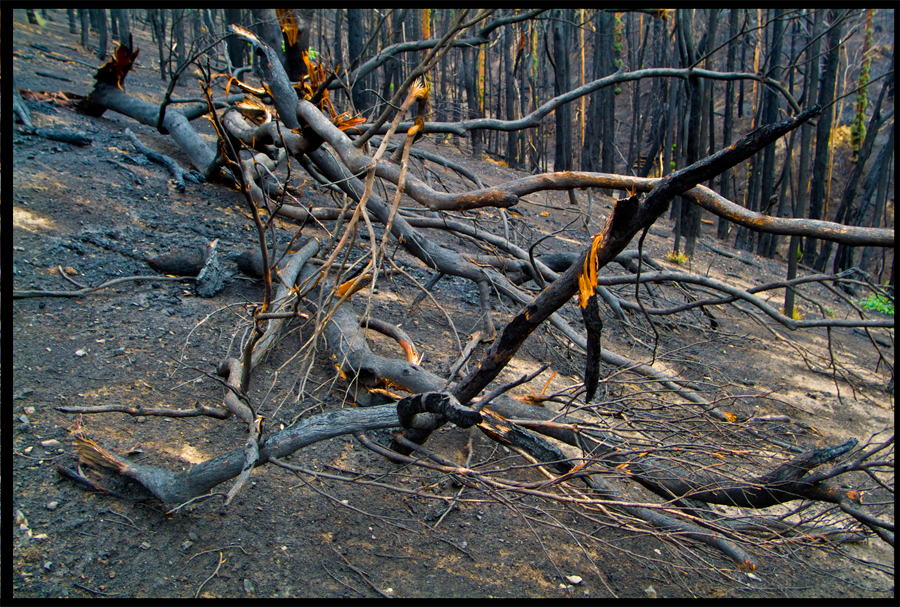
(417, 424)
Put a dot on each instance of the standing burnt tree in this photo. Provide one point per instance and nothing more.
(698, 456)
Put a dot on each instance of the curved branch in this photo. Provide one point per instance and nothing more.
(534, 118)
(482, 37)
(712, 202)
(736, 293)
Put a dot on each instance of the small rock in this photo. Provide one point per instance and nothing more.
(29, 410)
(20, 518)
(80, 352)
(48, 565)
(248, 587)
(23, 419)
(145, 546)
(52, 505)
(49, 443)
(120, 351)
(186, 544)
(70, 270)
(651, 592)
(574, 579)
(193, 536)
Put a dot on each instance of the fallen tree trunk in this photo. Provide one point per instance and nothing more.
(106, 97)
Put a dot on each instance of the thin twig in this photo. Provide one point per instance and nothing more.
(214, 573)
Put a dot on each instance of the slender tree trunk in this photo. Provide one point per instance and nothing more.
(122, 19)
(265, 24)
(845, 212)
(810, 92)
(179, 54)
(590, 151)
(637, 135)
(708, 123)
(100, 14)
(512, 141)
(727, 177)
(85, 27)
(743, 43)
(690, 213)
(235, 45)
(823, 133)
(563, 151)
(470, 76)
(355, 42)
(884, 175)
(770, 114)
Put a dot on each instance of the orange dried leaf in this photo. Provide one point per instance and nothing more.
(353, 285)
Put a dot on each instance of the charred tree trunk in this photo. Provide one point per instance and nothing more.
(234, 44)
(100, 17)
(470, 76)
(355, 42)
(562, 160)
(121, 18)
(392, 74)
(689, 222)
(884, 175)
(509, 76)
(157, 19)
(265, 24)
(770, 113)
(728, 190)
(823, 132)
(846, 213)
(810, 91)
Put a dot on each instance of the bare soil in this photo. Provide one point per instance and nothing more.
(151, 343)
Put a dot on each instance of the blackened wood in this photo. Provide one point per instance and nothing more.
(628, 218)
(594, 326)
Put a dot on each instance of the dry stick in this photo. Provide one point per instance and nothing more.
(335, 578)
(241, 548)
(486, 400)
(166, 161)
(91, 590)
(214, 574)
(140, 411)
(362, 574)
(199, 498)
(426, 292)
(466, 353)
(88, 290)
(544, 451)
